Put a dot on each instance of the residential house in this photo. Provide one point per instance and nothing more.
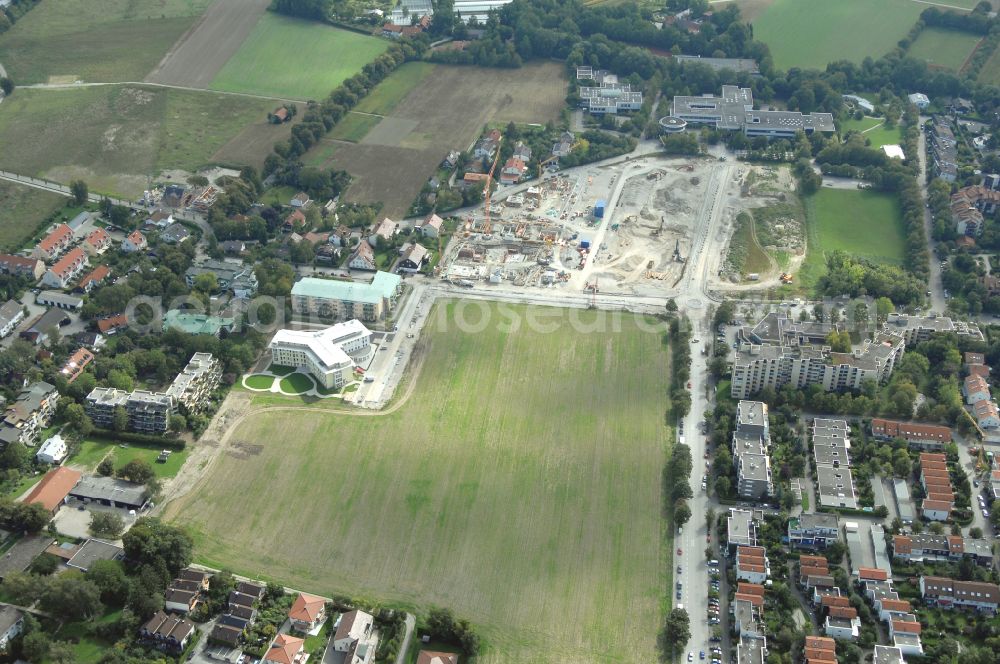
(95, 278)
(300, 200)
(434, 657)
(233, 246)
(750, 442)
(11, 314)
(513, 170)
(96, 242)
(451, 160)
(159, 219)
(181, 597)
(328, 253)
(842, 623)
(384, 230)
(813, 531)
(751, 564)
(975, 389)
(192, 388)
(31, 411)
(65, 269)
(167, 632)
(53, 244)
(31, 268)
(76, 363)
(363, 258)
(286, 649)
(412, 258)
(886, 655)
(487, 146)
(429, 226)
(987, 415)
(948, 593)
(295, 220)
(308, 613)
(916, 434)
(133, 242)
(564, 146)
(41, 328)
(920, 547)
(11, 623)
(175, 234)
(52, 451)
(819, 650)
(355, 636)
(53, 489)
(112, 324)
(741, 529)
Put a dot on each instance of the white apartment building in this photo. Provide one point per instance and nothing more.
(329, 355)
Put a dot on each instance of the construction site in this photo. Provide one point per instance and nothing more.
(625, 228)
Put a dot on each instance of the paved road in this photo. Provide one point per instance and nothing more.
(937, 301)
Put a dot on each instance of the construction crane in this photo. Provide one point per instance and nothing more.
(488, 226)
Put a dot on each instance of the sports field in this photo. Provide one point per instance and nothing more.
(519, 485)
(430, 110)
(24, 209)
(863, 223)
(94, 40)
(874, 130)
(812, 33)
(297, 59)
(943, 48)
(114, 137)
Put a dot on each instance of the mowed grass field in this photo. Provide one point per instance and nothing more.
(296, 59)
(114, 137)
(430, 110)
(943, 48)
(519, 485)
(94, 40)
(874, 130)
(990, 73)
(24, 209)
(92, 452)
(813, 33)
(863, 223)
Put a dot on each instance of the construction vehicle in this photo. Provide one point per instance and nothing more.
(785, 278)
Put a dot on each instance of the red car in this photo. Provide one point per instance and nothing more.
(689, 385)
(679, 552)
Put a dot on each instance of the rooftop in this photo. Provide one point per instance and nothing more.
(383, 286)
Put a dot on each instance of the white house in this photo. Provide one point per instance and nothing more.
(11, 313)
(66, 269)
(11, 622)
(363, 258)
(135, 241)
(300, 200)
(975, 389)
(355, 636)
(843, 623)
(385, 230)
(919, 99)
(429, 226)
(987, 414)
(53, 450)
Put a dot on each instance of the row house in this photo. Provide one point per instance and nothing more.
(30, 268)
(936, 480)
(240, 614)
(53, 244)
(66, 269)
(31, 412)
(97, 242)
(920, 547)
(948, 593)
(184, 593)
(902, 624)
(819, 650)
(813, 531)
(167, 632)
(751, 564)
(916, 434)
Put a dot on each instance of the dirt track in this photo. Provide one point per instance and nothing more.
(203, 50)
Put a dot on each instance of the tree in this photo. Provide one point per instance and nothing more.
(120, 419)
(72, 597)
(723, 486)
(109, 577)
(206, 283)
(6, 85)
(24, 588)
(78, 189)
(77, 418)
(976, 532)
(676, 630)
(682, 513)
(36, 646)
(106, 467)
(136, 470)
(106, 524)
(178, 422)
(150, 540)
(31, 517)
(671, 306)
(44, 564)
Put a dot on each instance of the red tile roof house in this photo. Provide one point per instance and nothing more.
(54, 243)
(431, 657)
(65, 269)
(295, 220)
(76, 363)
(95, 278)
(112, 324)
(96, 242)
(135, 241)
(52, 491)
(513, 171)
(286, 649)
(308, 613)
(915, 433)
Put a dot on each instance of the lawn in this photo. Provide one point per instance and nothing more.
(297, 59)
(116, 137)
(943, 48)
(874, 130)
(387, 94)
(94, 40)
(990, 73)
(354, 127)
(519, 485)
(24, 210)
(92, 452)
(745, 254)
(812, 33)
(862, 223)
(87, 647)
(259, 382)
(296, 383)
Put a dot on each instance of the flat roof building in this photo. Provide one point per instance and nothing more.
(333, 299)
(111, 491)
(733, 111)
(329, 355)
(836, 487)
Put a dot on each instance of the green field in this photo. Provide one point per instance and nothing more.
(387, 94)
(297, 59)
(519, 485)
(943, 48)
(24, 209)
(812, 33)
(862, 223)
(92, 452)
(114, 137)
(354, 127)
(745, 253)
(990, 73)
(94, 40)
(260, 382)
(297, 383)
(874, 130)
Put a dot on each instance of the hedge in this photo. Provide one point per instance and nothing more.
(143, 438)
